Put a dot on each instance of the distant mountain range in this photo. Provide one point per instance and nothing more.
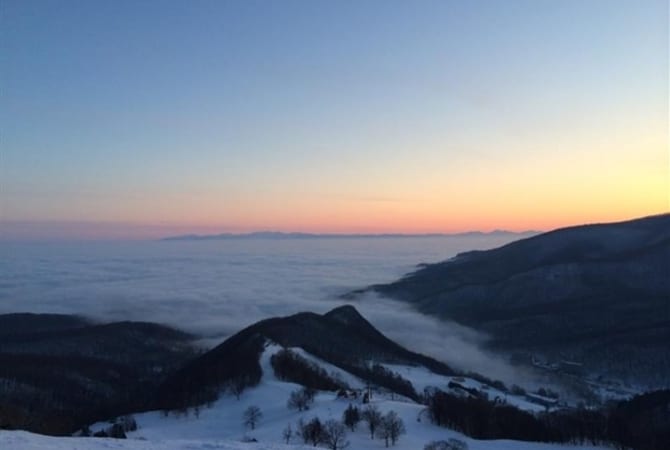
(297, 235)
(596, 294)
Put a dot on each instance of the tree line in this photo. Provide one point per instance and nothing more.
(641, 423)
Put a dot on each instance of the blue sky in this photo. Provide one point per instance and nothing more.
(332, 116)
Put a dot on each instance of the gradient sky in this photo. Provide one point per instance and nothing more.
(143, 118)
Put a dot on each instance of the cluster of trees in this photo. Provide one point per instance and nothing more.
(373, 418)
(388, 427)
(59, 373)
(643, 422)
(301, 399)
(351, 417)
(290, 366)
(482, 419)
(391, 428)
(381, 376)
(331, 433)
(497, 384)
(54, 394)
(202, 379)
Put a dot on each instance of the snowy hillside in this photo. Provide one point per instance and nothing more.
(221, 426)
(543, 297)
(22, 440)
(340, 363)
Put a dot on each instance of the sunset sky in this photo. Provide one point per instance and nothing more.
(148, 118)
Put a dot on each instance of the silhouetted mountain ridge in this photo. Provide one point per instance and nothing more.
(341, 337)
(598, 294)
(59, 372)
(22, 323)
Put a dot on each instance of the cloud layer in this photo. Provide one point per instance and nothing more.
(216, 288)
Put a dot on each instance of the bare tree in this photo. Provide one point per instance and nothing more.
(335, 435)
(287, 433)
(251, 416)
(373, 417)
(301, 400)
(391, 427)
(299, 430)
(312, 431)
(351, 417)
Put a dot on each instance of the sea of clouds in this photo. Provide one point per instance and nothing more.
(215, 288)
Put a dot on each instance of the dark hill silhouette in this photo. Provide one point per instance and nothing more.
(342, 337)
(59, 372)
(599, 294)
(16, 324)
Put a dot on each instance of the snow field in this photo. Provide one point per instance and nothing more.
(221, 426)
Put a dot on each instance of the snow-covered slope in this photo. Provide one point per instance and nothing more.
(23, 440)
(545, 297)
(422, 378)
(221, 425)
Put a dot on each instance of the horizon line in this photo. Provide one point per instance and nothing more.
(270, 234)
(90, 231)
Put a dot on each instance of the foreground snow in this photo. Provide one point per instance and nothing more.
(22, 440)
(221, 426)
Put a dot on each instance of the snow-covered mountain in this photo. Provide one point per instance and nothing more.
(221, 424)
(287, 372)
(593, 294)
(341, 337)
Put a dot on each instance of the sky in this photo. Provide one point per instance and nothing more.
(134, 119)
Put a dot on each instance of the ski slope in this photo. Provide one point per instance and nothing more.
(422, 378)
(23, 440)
(221, 426)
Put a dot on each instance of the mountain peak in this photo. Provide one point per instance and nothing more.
(347, 315)
(341, 337)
